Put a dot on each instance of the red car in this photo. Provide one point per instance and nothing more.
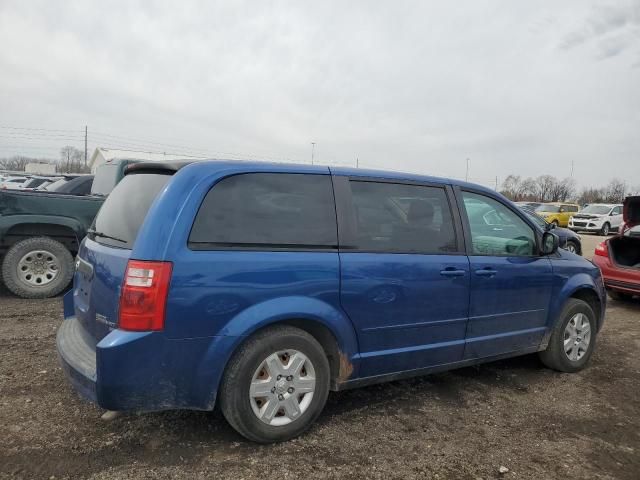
(619, 256)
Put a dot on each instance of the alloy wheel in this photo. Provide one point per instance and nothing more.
(38, 268)
(577, 337)
(282, 387)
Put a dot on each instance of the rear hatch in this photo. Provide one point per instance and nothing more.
(103, 255)
(631, 212)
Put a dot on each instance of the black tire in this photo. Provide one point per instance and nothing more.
(556, 223)
(554, 356)
(235, 401)
(571, 243)
(23, 289)
(606, 228)
(620, 296)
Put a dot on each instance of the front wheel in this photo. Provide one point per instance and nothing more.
(605, 229)
(571, 246)
(573, 338)
(275, 385)
(38, 267)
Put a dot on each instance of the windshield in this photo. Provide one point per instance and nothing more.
(125, 209)
(597, 209)
(105, 179)
(545, 207)
(55, 185)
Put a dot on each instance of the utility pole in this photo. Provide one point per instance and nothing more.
(571, 168)
(85, 147)
(313, 151)
(496, 183)
(466, 178)
(357, 162)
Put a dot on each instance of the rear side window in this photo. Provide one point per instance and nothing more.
(402, 218)
(123, 212)
(267, 210)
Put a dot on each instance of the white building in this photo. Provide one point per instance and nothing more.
(40, 168)
(101, 155)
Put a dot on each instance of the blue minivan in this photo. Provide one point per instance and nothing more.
(261, 287)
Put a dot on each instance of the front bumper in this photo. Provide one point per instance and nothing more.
(586, 226)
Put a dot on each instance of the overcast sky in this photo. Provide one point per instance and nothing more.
(517, 87)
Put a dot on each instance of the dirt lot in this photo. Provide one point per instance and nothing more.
(463, 424)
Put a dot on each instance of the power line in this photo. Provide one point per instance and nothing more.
(39, 129)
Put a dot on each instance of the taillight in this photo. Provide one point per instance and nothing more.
(144, 295)
(602, 249)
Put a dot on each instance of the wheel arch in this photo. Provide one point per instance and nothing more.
(65, 230)
(589, 296)
(328, 325)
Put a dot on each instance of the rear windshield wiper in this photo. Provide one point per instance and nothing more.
(95, 233)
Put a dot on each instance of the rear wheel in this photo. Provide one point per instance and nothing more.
(275, 385)
(38, 267)
(573, 338)
(605, 229)
(556, 223)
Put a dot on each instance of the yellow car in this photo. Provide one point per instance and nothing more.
(557, 213)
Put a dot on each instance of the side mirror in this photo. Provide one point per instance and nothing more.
(550, 243)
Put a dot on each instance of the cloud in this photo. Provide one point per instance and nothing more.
(621, 19)
(412, 85)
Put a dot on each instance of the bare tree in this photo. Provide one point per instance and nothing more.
(615, 191)
(545, 185)
(511, 187)
(71, 159)
(591, 195)
(15, 163)
(561, 190)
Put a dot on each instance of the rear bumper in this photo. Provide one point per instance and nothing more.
(78, 358)
(143, 371)
(625, 280)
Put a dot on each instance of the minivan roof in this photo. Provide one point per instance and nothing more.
(171, 167)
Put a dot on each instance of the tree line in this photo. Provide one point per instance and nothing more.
(71, 161)
(547, 188)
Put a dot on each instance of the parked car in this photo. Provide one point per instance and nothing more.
(557, 213)
(569, 240)
(601, 218)
(262, 287)
(80, 185)
(34, 182)
(40, 233)
(58, 183)
(13, 183)
(619, 257)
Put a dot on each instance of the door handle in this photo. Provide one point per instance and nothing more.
(452, 272)
(486, 272)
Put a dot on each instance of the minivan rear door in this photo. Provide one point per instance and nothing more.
(103, 255)
(404, 274)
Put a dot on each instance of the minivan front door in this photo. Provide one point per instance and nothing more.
(510, 283)
(404, 276)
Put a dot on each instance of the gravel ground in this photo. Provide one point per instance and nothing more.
(464, 424)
